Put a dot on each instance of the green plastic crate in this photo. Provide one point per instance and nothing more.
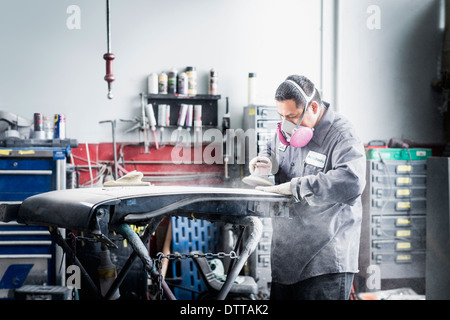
(397, 154)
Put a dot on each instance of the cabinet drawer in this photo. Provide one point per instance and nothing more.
(26, 164)
(398, 181)
(399, 167)
(398, 245)
(406, 192)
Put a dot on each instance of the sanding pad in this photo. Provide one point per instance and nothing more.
(257, 181)
(131, 179)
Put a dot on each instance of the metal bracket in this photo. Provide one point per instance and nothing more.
(101, 227)
(105, 240)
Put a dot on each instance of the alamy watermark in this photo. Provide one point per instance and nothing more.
(373, 21)
(73, 21)
(73, 279)
(213, 147)
(373, 280)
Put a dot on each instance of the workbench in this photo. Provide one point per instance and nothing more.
(98, 211)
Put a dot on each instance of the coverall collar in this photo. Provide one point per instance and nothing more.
(324, 125)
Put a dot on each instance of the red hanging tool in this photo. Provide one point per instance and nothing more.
(109, 57)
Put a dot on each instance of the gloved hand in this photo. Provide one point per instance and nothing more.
(284, 188)
(261, 166)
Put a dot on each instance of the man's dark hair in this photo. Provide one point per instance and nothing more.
(287, 91)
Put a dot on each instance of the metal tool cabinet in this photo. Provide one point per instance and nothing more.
(393, 233)
(27, 253)
(263, 121)
(438, 229)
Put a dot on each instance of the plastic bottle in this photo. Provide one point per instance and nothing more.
(48, 128)
(183, 84)
(162, 83)
(192, 80)
(213, 82)
(252, 88)
(153, 83)
(172, 81)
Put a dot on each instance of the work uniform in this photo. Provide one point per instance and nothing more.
(327, 178)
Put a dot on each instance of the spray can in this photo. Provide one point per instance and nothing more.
(251, 88)
(38, 122)
(172, 81)
(162, 83)
(153, 83)
(183, 84)
(213, 82)
(191, 73)
(107, 274)
(60, 126)
(38, 132)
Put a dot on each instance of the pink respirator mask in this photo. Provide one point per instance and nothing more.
(290, 134)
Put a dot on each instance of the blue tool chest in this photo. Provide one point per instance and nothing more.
(27, 253)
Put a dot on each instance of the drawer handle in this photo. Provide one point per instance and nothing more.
(25, 256)
(25, 233)
(25, 172)
(25, 243)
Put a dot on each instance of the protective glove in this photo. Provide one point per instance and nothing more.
(260, 166)
(284, 188)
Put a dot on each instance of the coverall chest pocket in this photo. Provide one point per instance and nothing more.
(311, 170)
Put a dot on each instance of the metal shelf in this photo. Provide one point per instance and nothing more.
(209, 106)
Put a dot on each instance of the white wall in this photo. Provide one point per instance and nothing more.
(383, 76)
(46, 67)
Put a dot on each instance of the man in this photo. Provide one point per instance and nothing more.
(321, 163)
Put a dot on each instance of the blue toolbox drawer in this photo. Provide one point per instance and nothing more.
(25, 257)
(22, 178)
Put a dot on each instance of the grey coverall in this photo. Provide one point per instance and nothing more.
(327, 178)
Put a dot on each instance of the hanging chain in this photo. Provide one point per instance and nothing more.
(158, 262)
(208, 255)
(178, 256)
(160, 257)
